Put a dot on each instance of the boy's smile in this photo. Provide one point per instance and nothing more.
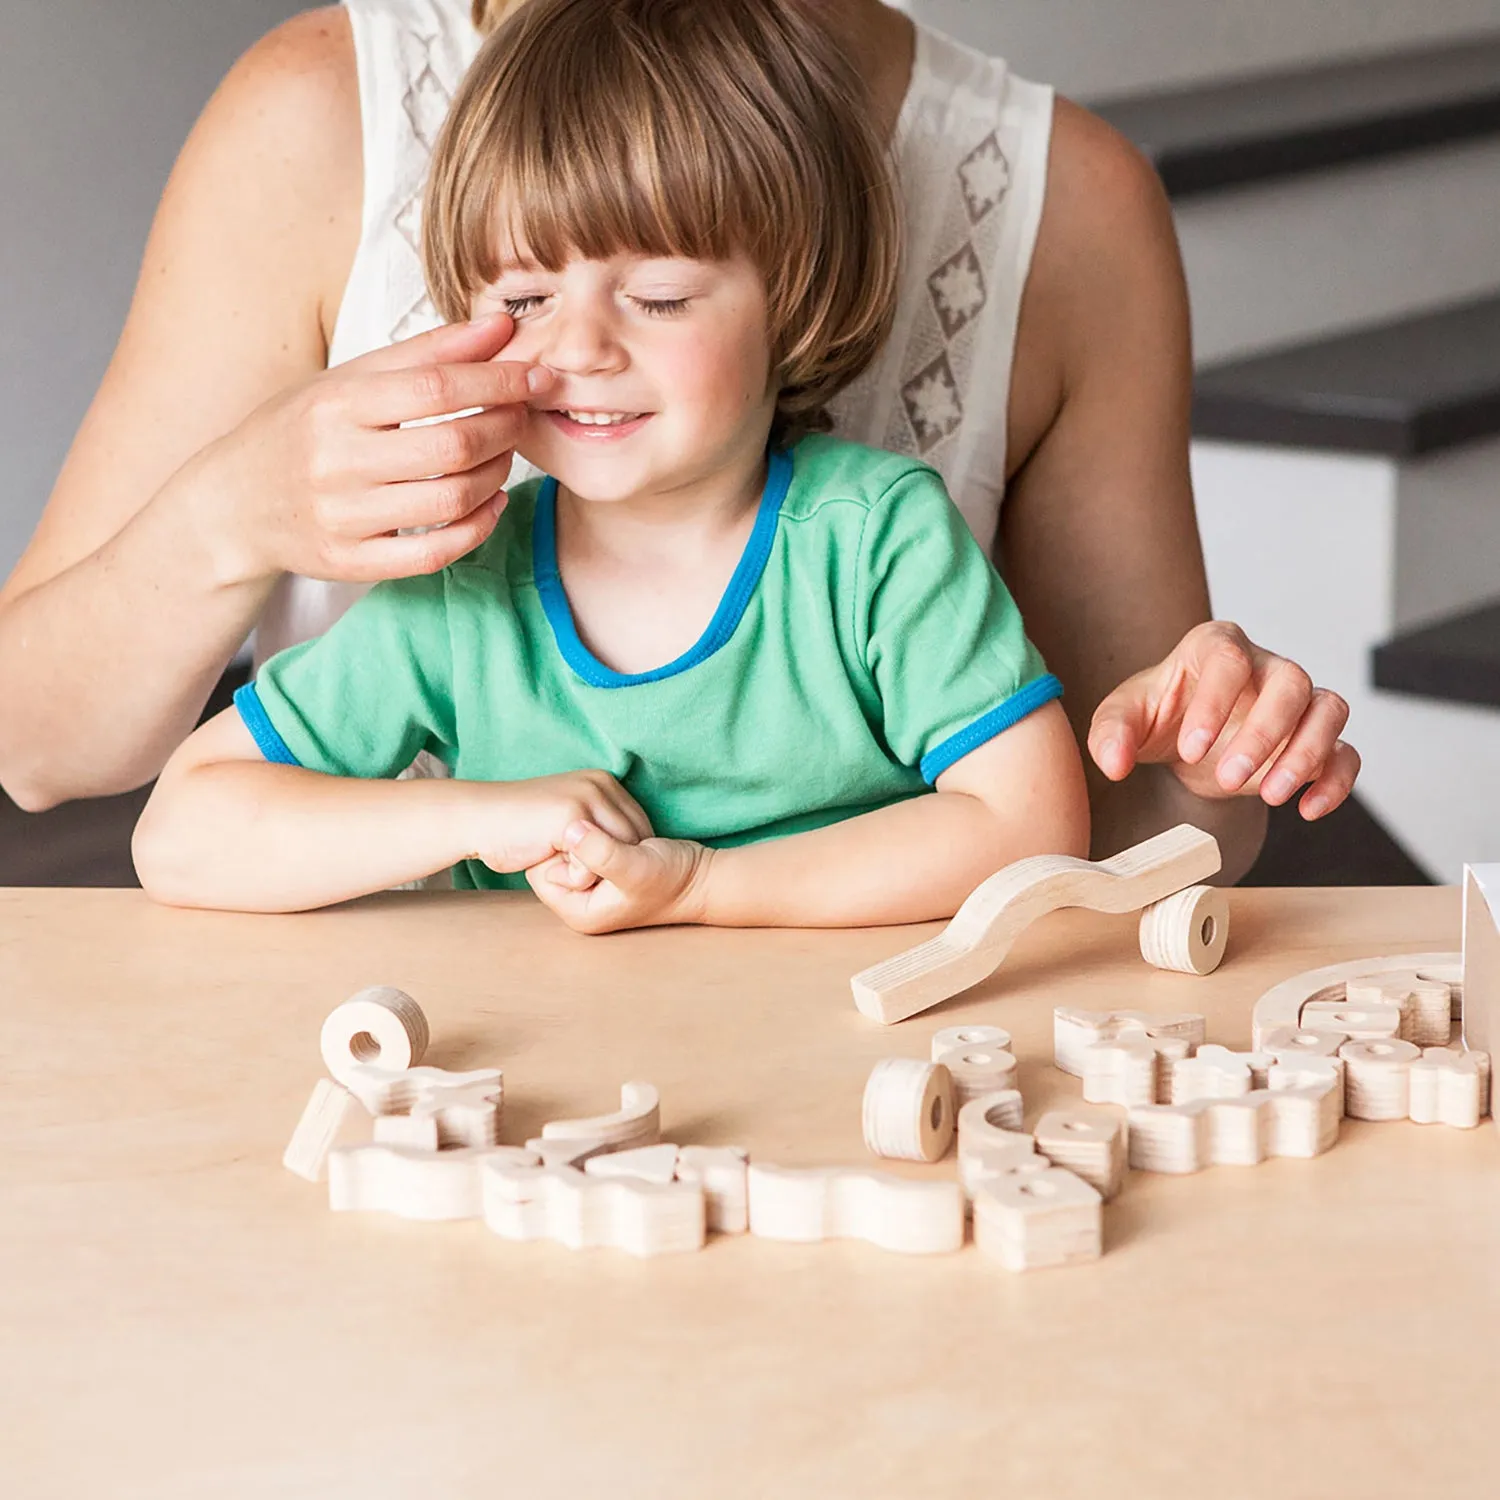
(663, 367)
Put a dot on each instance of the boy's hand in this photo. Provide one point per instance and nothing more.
(520, 824)
(605, 884)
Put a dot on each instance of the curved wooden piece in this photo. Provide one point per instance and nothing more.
(1281, 1005)
(413, 1184)
(637, 1122)
(832, 1203)
(973, 945)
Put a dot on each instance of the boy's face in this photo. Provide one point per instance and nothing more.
(669, 357)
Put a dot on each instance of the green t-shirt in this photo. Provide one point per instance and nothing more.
(864, 644)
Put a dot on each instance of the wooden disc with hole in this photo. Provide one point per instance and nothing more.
(380, 1025)
(908, 1109)
(1187, 932)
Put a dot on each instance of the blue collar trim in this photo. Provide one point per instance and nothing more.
(726, 618)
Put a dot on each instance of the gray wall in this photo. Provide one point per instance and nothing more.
(1095, 48)
(96, 97)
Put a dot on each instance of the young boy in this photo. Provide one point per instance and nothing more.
(718, 666)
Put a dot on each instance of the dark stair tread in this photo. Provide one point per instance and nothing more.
(1276, 124)
(1456, 659)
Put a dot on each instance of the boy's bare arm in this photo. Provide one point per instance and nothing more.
(1021, 793)
(225, 828)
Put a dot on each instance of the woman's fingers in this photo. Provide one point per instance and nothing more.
(452, 343)
(423, 502)
(385, 557)
(389, 397)
(1333, 785)
(453, 447)
(1285, 693)
(1307, 752)
(1223, 669)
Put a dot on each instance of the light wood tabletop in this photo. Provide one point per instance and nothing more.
(181, 1317)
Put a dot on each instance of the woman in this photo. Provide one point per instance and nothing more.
(1041, 355)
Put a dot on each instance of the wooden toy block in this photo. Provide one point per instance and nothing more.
(378, 1025)
(969, 1036)
(1240, 1129)
(1215, 1073)
(1377, 1078)
(1298, 1071)
(1187, 1026)
(637, 1122)
(648, 1163)
(1481, 959)
(1305, 1112)
(1187, 932)
(1050, 1218)
(532, 1202)
(1448, 1086)
(908, 1109)
(1003, 1152)
(837, 1203)
(566, 1153)
(975, 942)
(1281, 1006)
(1285, 1043)
(978, 1069)
(1122, 1070)
(1171, 1138)
(989, 1119)
(328, 1115)
(415, 1132)
(1075, 1031)
(1090, 1143)
(396, 1091)
(722, 1173)
(1426, 1005)
(429, 1185)
(1360, 1023)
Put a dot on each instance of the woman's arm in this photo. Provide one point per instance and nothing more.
(217, 453)
(1020, 793)
(1098, 536)
(227, 829)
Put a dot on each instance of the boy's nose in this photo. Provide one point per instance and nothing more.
(581, 341)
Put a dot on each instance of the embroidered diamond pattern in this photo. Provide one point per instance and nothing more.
(426, 103)
(933, 404)
(409, 222)
(958, 290)
(985, 175)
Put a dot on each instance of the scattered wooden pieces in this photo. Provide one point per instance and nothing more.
(1122, 1070)
(893, 1213)
(523, 1201)
(636, 1123)
(1449, 1086)
(412, 1184)
(976, 941)
(969, 1036)
(415, 1132)
(1359, 1023)
(1213, 1073)
(1090, 1143)
(978, 1069)
(1377, 1078)
(1426, 1005)
(1002, 1152)
(1075, 1031)
(1287, 1042)
(1035, 1219)
(647, 1163)
(394, 1091)
(1187, 932)
(722, 1173)
(566, 1153)
(908, 1109)
(324, 1120)
(379, 1025)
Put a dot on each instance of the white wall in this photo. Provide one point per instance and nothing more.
(1096, 48)
(96, 97)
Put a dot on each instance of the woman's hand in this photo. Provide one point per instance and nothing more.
(320, 479)
(518, 825)
(1230, 719)
(599, 883)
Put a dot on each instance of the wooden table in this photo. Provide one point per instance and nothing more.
(180, 1317)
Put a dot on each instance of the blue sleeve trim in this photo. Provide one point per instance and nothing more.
(996, 721)
(262, 730)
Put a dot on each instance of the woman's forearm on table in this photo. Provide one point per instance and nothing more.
(105, 667)
(915, 861)
(253, 836)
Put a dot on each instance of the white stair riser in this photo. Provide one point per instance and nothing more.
(1282, 262)
(1301, 550)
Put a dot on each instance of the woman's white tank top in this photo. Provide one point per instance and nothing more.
(971, 151)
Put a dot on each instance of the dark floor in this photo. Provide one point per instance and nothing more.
(88, 843)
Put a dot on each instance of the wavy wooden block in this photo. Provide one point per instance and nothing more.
(722, 1172)
(1031, 1220)
(378, 1025)
(428, 1185)
(973, 945)
(846, 1203)
(637, 1122)
(325, 1119)
(1281, 1006)
(532, 1202)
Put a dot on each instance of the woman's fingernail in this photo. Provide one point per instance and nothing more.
(1278, 786)
(1197, 744)
(1315, 807)
(574, 834)
(540, 378)
(1236, 771)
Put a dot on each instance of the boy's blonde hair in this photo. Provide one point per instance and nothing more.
(697, 128)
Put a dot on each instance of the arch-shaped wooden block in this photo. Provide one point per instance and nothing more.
(1281, 1006)
(637, 1122)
